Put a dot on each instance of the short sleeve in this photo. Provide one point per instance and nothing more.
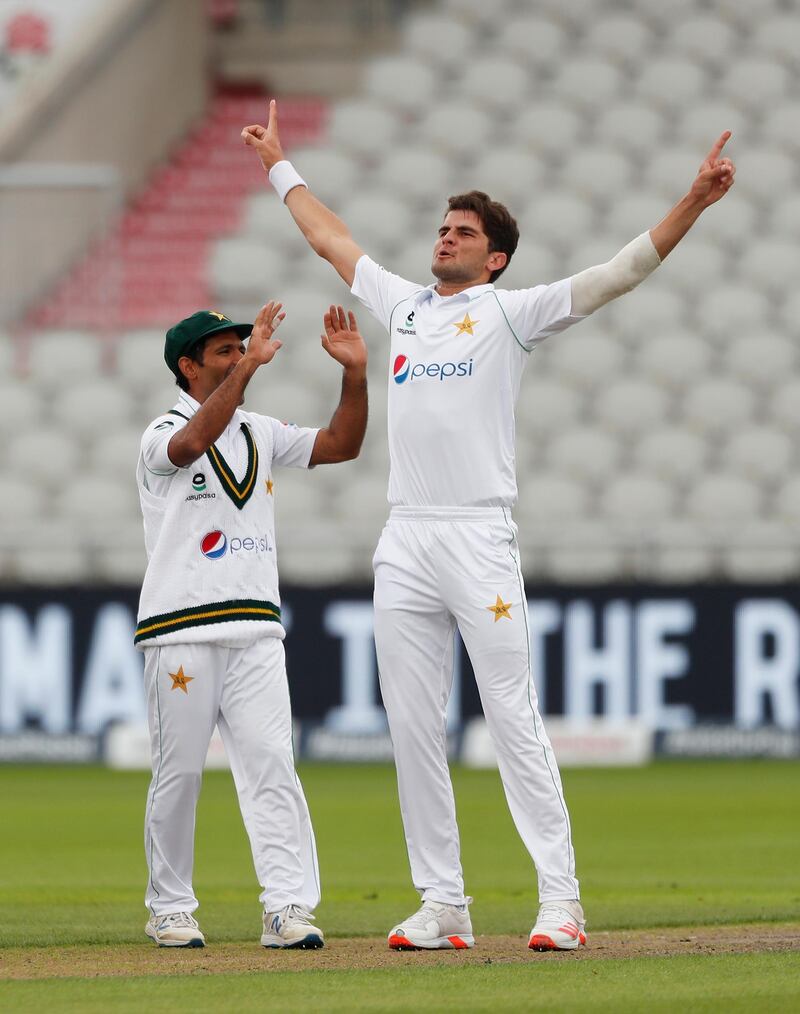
(379, 290)
(155, 442)
(292, 445)
(537, 313)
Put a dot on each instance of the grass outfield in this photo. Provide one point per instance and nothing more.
(672, 844)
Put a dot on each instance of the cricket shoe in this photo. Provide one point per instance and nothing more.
(177, 929)
(434, 926)
(291, 927)
(559, 927)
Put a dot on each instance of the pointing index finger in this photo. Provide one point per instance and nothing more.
(719, 144)
(272, 122)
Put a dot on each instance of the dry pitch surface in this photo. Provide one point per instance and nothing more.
(365, 952)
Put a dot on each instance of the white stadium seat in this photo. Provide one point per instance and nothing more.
(756, 165)
(780, 124)
(702, 38)
(695, 267)
(414, 173)
(632, 214)
(723, 497)
(56, 358)
(778, 37)
(742, 217)
(401, 83)
(637, 499)
(762, 360)
(773, 264)
(747, 16)
(671, 83)
(789, 311)
(241, 270)
(332, 174)
(138, 355)
(732, 309)
(413, 262)
(50, 455)
(784, 406)
(92, 407)
(546, 497)
(633, 127)
(701, 125)
(556, 219)
(673, 358)
(762, 551)
(362, 127)
(584, 553)
(267, 220)
(584, 453)
(545, 406)
(113, 454)
(714, 407)
(680, 551)
(787, 501)
(18, 401)
(596, 171)
(588, 83)
(629, 405)
(96, 504)
(539, 41)
(24, 500)
(508, 174)
(784, 219)
(583, 358)
(455, 128)
(756, 83)
(436, 38)
(533, 263)
(623, 38)
(379, 222)
(492, 83)
(760, 453)
(671, 171)
(672, 453)
(652, 307)
(550, 127)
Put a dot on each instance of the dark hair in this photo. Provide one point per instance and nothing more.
(196, 353)
(498, 224)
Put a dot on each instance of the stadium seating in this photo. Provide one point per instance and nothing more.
(657, 440)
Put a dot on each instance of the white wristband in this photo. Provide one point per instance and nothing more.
(284, 177)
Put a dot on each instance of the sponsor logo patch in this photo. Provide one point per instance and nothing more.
(403, 370)
(214, 545)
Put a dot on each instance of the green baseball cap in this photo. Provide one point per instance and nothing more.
(182, 337)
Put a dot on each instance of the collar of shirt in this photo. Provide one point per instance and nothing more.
(430, 294)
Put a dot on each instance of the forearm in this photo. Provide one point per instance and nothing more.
(674, 225)
(210, 420)
(342, 438)
(598, 285)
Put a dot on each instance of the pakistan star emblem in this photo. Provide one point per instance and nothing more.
(499, 609)
(466, 325)
(270, 486)
(217, 314)
(180, 679)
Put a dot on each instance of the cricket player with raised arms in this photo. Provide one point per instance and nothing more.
(209, 619)
(448, 554)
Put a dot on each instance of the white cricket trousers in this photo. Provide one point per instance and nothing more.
(245, 693)
(436, 568)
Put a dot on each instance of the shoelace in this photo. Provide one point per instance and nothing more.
(298, 913)
(178, 919)
(430, 909)
(555, 913)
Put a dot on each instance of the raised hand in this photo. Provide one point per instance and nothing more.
(715, 176)
(342, 340)
(262, 346)
(265, 140)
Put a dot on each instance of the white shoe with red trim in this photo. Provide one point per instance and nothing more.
(434, 926)
(559, 927)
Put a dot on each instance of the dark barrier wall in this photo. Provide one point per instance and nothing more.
(670, 655)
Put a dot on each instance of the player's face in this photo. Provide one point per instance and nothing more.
(220, 355)
(461, 253)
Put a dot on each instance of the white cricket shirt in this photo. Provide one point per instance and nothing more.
(212, 572)
(455, 368)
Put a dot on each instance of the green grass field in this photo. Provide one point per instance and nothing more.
(672, 844)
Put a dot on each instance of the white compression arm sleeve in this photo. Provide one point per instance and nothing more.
(596, 286)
